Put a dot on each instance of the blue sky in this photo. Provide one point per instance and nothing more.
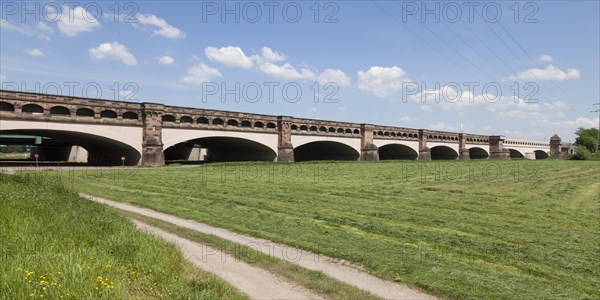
(380, 62)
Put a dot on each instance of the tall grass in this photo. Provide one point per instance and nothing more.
(55, 245)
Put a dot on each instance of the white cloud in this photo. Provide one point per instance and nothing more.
(45, 28)
(164, 29)
(166, 60)
(546, 58)
(230, 56)
(272, 56)
(76, 20)
(114, 51)
(22, 29)
(287, 71)
(336, 76)
(382, 81)
(583, 122)
(34, 52)
(200, 73)
(549, 73)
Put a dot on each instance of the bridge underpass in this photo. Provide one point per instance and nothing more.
(325, 150)
(397, 152)
(60, 146)
(443, 153)
(478, 153)
(220, 149)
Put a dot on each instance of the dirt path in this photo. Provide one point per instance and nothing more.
(335, 268)
(252, 281)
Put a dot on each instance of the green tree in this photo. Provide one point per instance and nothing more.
(587, 138)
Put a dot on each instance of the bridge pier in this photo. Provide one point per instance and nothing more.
(463, 152)
(497, 150)
(285, 149)
(555, 143)
(424, 151)
(152, 146)
(368, 150)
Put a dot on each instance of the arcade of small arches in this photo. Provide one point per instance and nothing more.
(207, 135)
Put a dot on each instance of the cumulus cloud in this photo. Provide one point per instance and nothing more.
(287, 71)
(76, 20)
(115, 51)
(549, 73)
(230, 56)
(164, 29)
(382, 81)
(45, 28)
(166, 60)
(336, 76)
(272, 56)
(34, 52)
(201, 73)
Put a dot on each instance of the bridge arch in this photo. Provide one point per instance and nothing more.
(478, 153)
(85, 112)
(397, 151)
(102, 149)
(5, 106)
(443, 153)
(325, 150)
(541, 154)
(60, 110)
(219, 145)
(32, 108)
(515, 153)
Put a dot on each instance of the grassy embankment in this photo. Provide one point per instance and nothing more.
(55, 245)
(474, 229)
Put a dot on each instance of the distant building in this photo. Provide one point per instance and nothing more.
(568, 148)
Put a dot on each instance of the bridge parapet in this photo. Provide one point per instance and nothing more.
(40, 107)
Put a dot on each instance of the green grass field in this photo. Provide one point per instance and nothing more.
(456, 229)
(55, 245)
(14, 156)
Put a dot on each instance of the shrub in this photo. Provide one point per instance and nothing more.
(582, 154)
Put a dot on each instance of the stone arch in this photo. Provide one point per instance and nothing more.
(202, 120)
(294, 127)
(313, 128)
(129, 115)
(232, 122)
(103, 146)
(168, 118)
(325, 150)
(186, 119)
(478, 153)
(60, 110)
(349, 131)
(304, 128)
(5, 106)
(85, 112)
(239, 146)
(218, 121)
(515, 153)
(443, 153)
(397, 151)
(259, 124)
(271, 125)
(246, 123)
(541, 154)
(108, 114)
(32, 109)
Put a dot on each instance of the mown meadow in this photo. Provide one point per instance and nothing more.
(55, 245)
(456, 229)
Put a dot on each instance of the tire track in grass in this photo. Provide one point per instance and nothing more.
(332, 267)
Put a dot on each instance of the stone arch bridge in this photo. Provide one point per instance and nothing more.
(146, 133)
